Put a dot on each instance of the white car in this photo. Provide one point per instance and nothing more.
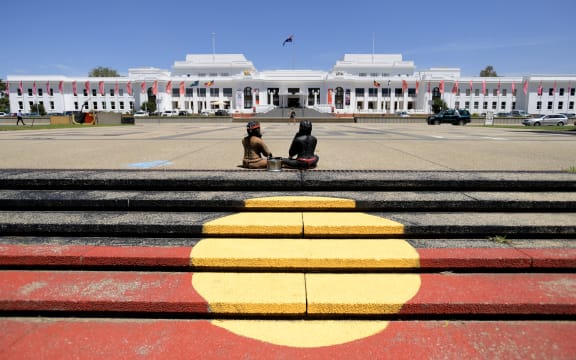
(140, 113)
(169, 113)
(553, 119)
(2, 114)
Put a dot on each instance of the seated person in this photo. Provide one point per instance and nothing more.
(254, 148)
(302, 149)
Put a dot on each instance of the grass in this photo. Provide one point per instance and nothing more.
(571, 169)
(499, 239)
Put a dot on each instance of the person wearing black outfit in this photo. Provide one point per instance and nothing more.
(302, 149)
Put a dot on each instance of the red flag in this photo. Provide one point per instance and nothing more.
(48, 87)
(554, 89)
(417, 85)
(483, 87)
(471, 85)
(87, 86)
(101, 87)
(129, 88)
(21, 88)
(455, 87)
(169, 87)
(74, 88)
(209, 83)
(116, 88)
(498, 90)
(155, 88)
(540, 89)
(441, 86)
(182, 89)
(513, 88)
(61, 87)
(8, 88)
(143, 88)
(34, 88)
(525, 87)
(404, 86)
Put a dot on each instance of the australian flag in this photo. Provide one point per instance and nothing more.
(288, 40)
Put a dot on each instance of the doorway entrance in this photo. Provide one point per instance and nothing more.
(293, 102)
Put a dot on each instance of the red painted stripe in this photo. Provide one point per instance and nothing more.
(457, 258)
(430, 258)
(552, 258)
(198, 339)
(173, 292)
(99, 291)
(78, 255)
(494, 294)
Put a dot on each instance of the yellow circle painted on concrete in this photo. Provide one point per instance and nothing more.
(300, 293)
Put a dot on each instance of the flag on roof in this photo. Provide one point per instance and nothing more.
(48, 87)
(195, 83)
(182, 88)
(209, 83)
(169, 87)
(143, 87)
(376, 83)
(289, 39)
(61, 86)
(20, 88)
(155, 88)
(404, 86)
(455, 87)
(101, 87)
(540, 89)
(74, 88)
(129, 88)
(417, 85)
(513, 87)
(441, 86)
(34, 88)
(525, 87)
(87, 86)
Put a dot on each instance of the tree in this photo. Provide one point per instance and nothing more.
(4, 100)
(488, 72)
(103, 72)
(438, 105)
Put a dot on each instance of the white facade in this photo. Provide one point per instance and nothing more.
(359, 83)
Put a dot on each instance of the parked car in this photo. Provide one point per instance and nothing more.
(221, 113)
(553, 119)
(451, 116)
(183, 113)
(2, 114)
(569, 115)
(140, 113)
(402, 114)
(169, 113)
(519, 113)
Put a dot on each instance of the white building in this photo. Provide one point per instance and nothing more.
(359, 83)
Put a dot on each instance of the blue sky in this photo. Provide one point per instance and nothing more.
(65, 37)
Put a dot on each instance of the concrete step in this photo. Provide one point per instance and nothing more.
(258, 180)
(291, 224)
(141, 200)
(287, 255)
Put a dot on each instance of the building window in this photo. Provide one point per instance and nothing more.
(373, 92)
(457, 105)
(572, 92)
(201, 92)
(51, 92)
(362, 74)
(550, 105)
(131, 105)
(175, 92)
(227, 92)
(398, 92)
(514, 92)
(214, 92)
(75, 105)
(386, 92)
(95, 105)
(503, 105)
(571, 105)
(85, 92)
(560, 105)
(485, 105)
(550, 91)
(476, 92)
(411, 92)
(40, 92)
(20, 105)
(538, 105)
(494, 105)
(29, 92)
(121, 92)
(513, 105)
(113, 105)
(359, 92)
(561, 92)
(467, 92)
(189, 92)
(476, 105)
(94, 92)
(467, 105)
(104, 105)
(504, 92)
(51, 105)
(121, 105)
(495, 92)
(111, 92)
